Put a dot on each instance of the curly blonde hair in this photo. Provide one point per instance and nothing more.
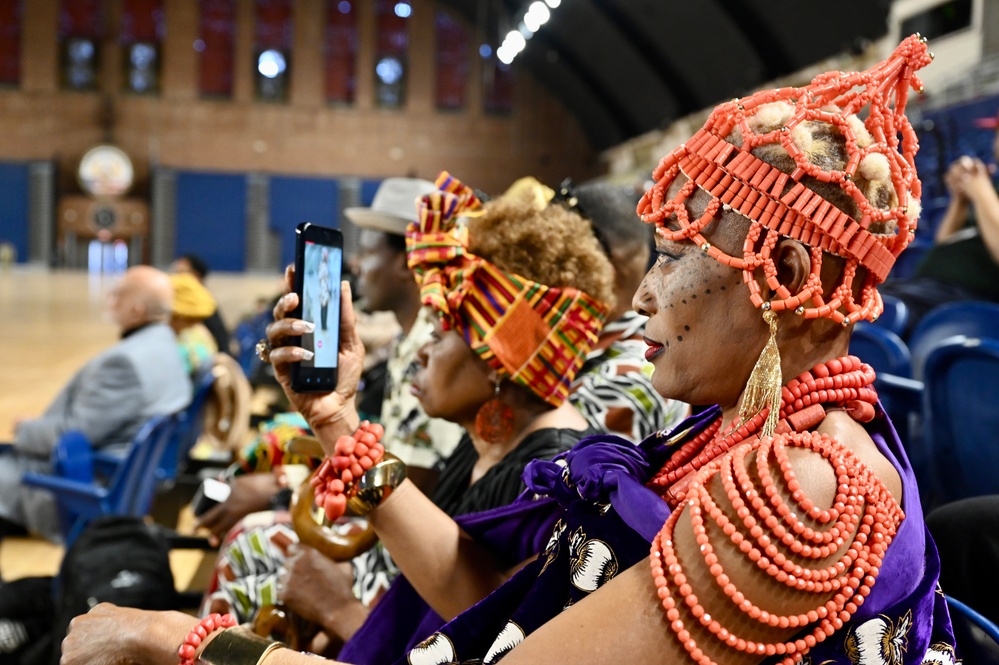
(553, 246)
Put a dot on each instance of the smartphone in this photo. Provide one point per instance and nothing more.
(318, 267)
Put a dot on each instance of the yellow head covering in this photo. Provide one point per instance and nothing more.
(190, 298)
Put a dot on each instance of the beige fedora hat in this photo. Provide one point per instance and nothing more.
(393, 207)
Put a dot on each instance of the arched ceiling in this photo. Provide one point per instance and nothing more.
(626, 67)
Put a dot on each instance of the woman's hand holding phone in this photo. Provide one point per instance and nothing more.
(329, 414)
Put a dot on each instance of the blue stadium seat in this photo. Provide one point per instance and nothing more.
(977, 638)
(881, 348)
(971, 319)
(962, 421)
(895, 315)
(901, 397)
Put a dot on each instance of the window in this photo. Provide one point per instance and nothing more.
(340, 50)
(142, 29)
(10, 42)
(272, 49)
(497, 86)
(453, 42)
(216, 35)
(390, 56)
(80, 31)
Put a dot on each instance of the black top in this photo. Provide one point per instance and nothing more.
(965, 262)
(502, 483)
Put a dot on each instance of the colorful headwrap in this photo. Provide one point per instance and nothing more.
(534, 334)
(778, 203)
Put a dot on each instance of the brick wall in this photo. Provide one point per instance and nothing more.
(303, 136)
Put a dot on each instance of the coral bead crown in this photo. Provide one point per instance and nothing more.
(867, 211)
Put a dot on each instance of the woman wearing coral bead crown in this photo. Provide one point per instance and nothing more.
(785, 523)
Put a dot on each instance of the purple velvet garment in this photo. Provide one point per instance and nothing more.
(590, 516)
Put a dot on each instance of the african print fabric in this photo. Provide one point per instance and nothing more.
(534, 334)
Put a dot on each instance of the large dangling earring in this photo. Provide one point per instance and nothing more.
(494, 420)
(765, 381)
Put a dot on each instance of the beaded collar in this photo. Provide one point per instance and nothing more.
(843, 383)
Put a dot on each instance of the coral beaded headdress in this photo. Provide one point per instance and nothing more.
(879, 164)
(534, 334)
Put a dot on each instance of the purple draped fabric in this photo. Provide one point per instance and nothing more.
(588, 515)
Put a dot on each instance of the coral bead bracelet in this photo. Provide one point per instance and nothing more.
(354, 455)
(205, 627)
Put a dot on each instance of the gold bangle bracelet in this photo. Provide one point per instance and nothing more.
(377, 483)
(237, 646)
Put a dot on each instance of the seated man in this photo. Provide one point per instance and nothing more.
(108, 399)
(964, 262)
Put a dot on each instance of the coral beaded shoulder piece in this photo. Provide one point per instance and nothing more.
(793, 551)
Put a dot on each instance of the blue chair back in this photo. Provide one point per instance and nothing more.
(134, 482)
(977, 638)
(895, 315)
(962, 421)
(130, 490)
(881, 348)
(189, 425)
(971, 319)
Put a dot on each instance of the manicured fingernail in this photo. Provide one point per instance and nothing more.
(303, 326)
(307, 355)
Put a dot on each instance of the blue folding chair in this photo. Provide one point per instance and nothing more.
(977, 638)
(971, 319)
(130, 491)
(962, 421)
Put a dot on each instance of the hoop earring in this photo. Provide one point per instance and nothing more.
(494, 419)
(765, 381)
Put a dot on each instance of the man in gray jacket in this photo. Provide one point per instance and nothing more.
(108, 399)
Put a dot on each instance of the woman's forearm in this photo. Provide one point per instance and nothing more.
(953, 219)
(448, 569)
(986, 201)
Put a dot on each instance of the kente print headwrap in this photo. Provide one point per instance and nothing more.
(534, 334)
(778, 203)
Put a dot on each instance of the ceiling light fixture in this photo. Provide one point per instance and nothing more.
(537, 14)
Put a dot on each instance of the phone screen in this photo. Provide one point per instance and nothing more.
(321, 303)
(318, 263)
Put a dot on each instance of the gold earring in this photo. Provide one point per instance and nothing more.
(765, 382)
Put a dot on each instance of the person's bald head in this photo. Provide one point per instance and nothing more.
(143, 295)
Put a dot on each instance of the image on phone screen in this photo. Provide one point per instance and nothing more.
(321, 303)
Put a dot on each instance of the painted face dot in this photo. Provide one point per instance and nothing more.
(684, 301)
(686, 328)
(707, 291)
(679, 338)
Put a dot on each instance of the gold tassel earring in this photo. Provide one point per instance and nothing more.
(765, 381)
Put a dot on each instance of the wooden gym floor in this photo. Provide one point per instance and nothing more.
(51, 323)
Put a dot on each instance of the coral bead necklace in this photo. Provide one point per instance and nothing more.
(766, 528)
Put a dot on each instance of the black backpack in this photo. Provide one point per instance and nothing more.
(26, 615)
(118, 560)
